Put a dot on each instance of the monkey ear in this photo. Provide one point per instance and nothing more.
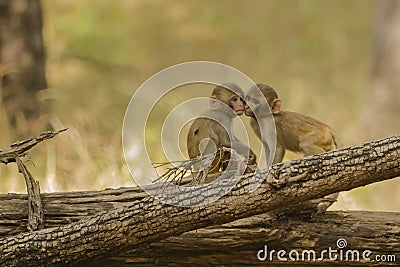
(214, 103)
(276, 106)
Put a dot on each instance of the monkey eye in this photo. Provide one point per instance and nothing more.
(235, 98)
(252, 100)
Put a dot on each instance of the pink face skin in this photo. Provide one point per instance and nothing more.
(251, 104)
(237, 104)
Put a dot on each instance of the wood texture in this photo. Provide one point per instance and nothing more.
(146, 221)
(238, 243)
(233, 243)
(13, 154)
(35, 207)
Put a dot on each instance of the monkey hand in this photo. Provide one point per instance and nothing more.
(251, 163)
(252, 159)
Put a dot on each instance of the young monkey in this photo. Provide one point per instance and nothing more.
(294, 131)
(212, 130)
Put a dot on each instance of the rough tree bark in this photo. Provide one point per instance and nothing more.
(147, 220)
(22, 58)
(13, 154)
(235, 243)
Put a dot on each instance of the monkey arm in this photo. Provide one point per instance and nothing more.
(244, 150)
(240, 147)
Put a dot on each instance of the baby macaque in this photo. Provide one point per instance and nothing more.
(212, 130)
(294, 131)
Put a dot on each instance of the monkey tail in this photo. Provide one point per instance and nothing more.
(336, 139)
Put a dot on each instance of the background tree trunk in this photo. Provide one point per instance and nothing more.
(22, 58)
(381, 116)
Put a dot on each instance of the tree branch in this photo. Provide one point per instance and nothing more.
(13, 154)
(234, 243)
(20, 148)
(147, 220)
(35, 208)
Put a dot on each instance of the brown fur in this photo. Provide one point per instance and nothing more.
(294, 131)
(216, 124)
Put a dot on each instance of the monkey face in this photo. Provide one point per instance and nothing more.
(262, 100)
(231, 106)
(237, 104)
(228, 99)
(252, 105)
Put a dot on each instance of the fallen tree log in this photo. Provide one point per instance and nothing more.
(232, 243)
(63, 208)
(13, 153)
(147, 220)
(239, 242)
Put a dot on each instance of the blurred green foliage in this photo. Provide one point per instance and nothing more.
(315, 53)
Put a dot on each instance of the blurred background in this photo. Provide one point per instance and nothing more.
(76, 64)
